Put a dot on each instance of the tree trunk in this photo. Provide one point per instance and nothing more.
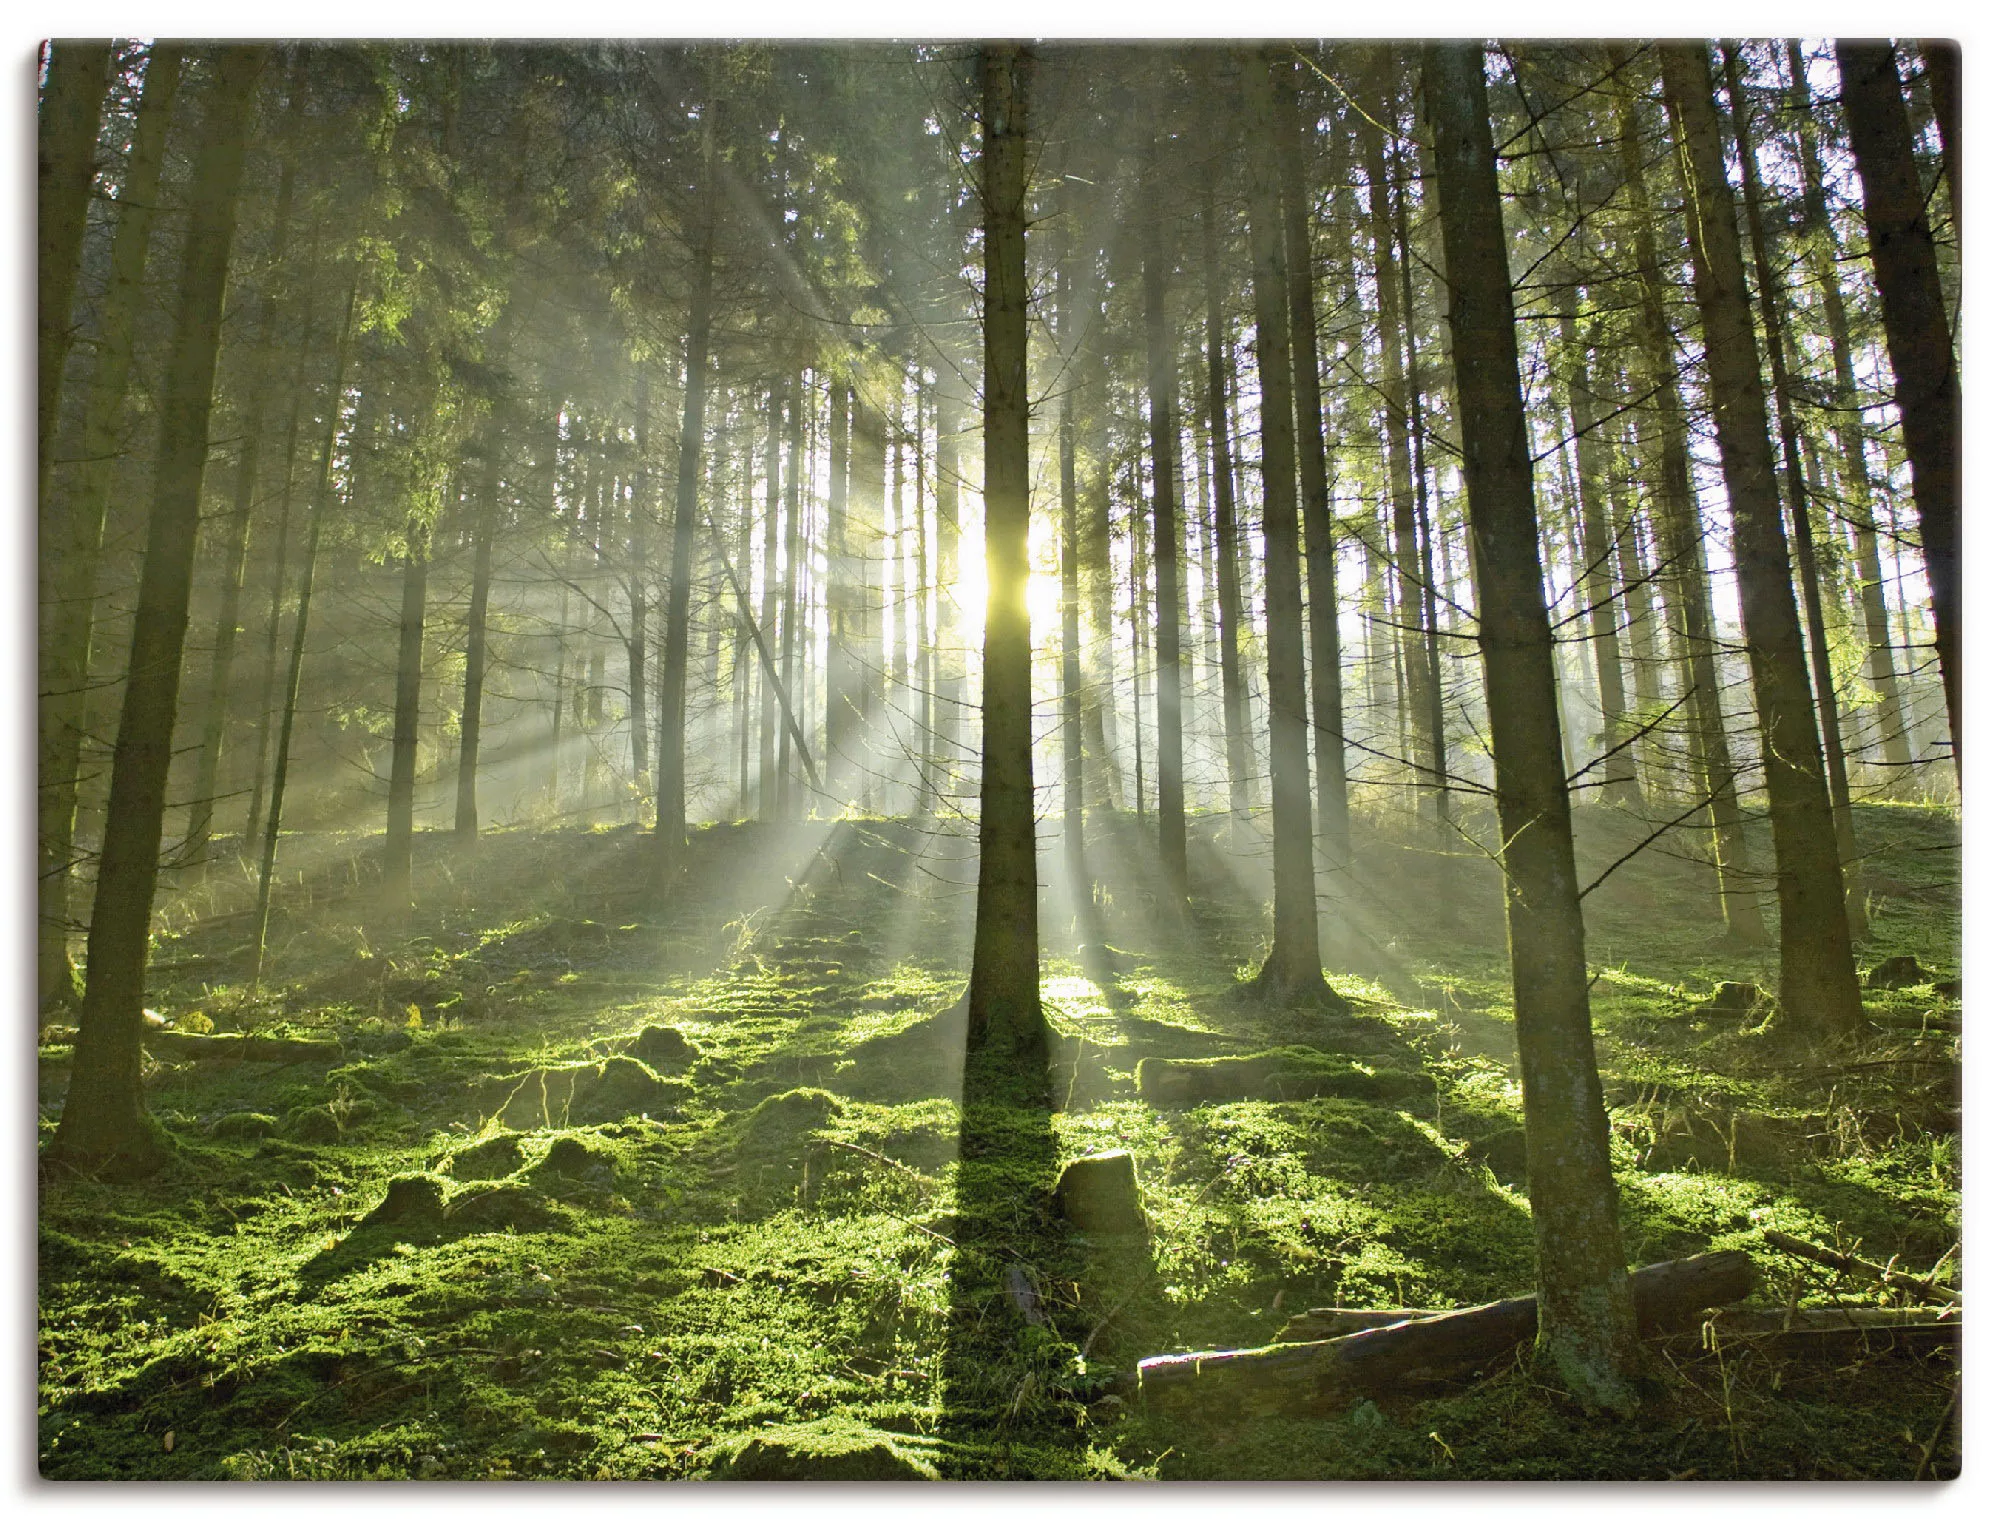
(951, 628)
(465, 818)
(1828, 699)
(1687, 562)
(1004, 1008)
(1620, 775)
(104, 1120)
(1942, 67)
(1323, 605)
(1411, 591)
(1816, 954)
(71, 547)
(1291, 973)
(795, 540)
(1072, 648)
(670, 817)
(1163, 417)
(301, 621)
(1917, 326)
(65, 173)
(397, 835)
(770, 743)
(1857, 507)
(1228, 576)
(638, 573)
(1587, 1325)
(208, 765)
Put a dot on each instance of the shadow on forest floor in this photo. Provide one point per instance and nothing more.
(813, 1239)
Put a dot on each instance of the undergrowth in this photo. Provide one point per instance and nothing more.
(508, 1232)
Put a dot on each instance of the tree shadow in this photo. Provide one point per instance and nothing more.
(1008, 1369)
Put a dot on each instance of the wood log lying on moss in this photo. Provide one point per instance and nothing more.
(240, 1046)
(1814, 1332)
(1854, 1265)
(1668, 1297)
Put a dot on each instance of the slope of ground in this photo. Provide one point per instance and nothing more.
(592, 1190)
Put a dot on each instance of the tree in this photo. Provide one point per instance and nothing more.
(1586, 1324)
(72, 544)
(104, 1121)
(1816, 956)
(1917, 327)
(1004, 999)
(1291, 972)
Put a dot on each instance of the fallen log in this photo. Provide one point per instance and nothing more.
(1854, 1265)
(240, 1046)
(1806, 1333)
(1332, 1323)
(1668, 1297)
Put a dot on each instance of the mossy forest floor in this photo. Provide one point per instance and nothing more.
(771, 1239)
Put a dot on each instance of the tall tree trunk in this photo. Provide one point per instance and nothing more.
(1858, 497)
(1687, 560)
(1292, 971)
(1942, 65)
(65, 172)
(1432, 682)
(1004, 1008)
(104, 1120)
(1586, 1322)
(1917, 327)
(794, 539)
(1072, 648)
(670, 825)
(951, 629)
(1621, 769)
(638, 574)
(867, 505)
(486, 511)
(397, 838)
(770, 742)
(301, 621)
(1329, 736)
(843, 603)
(72, 546)
(1411, 592)
(1635, 578)
(1228, 578)
(236, 541)
(1163, 417)
(1816, 955)
(1775, 329)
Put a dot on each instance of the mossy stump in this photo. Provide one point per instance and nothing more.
(1099, 1194)
(412, 1203)
(826, 1450)
(662, 1046)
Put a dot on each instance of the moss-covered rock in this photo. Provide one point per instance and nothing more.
(1899, 971)
(412, 1203)
(571, 1160)
(1287, 1074)
(662, 1046)
(245, 1126)
(624, 1087)
(826, 1450)
(313, 1125)
(500, 1155)
(507, 1207)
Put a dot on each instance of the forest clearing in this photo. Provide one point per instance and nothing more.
(982, 760)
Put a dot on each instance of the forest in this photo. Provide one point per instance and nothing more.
(998, 760)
